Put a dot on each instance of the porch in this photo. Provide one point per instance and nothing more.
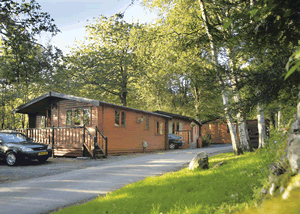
(70, 141)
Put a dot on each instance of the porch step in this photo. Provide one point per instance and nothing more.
(99, 153)
(100, 156)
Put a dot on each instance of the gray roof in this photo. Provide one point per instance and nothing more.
(44, 102)
(180, 117)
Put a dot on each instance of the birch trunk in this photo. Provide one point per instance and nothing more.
(279, 119)
(232, 130)
(261, 127)
(298, 105)
(242, 127)
(241, 121)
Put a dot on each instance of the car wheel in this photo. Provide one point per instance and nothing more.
(11, 159)
(172, 146)
(43, 159)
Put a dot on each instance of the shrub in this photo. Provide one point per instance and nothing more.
(206, 140)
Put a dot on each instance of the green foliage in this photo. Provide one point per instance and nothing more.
(206, 140)
(293, 61)
(106, 61)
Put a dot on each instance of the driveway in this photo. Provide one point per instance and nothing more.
(41, 195)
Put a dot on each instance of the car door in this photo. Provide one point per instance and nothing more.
(1, 148)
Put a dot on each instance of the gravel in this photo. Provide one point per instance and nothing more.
(53, 166)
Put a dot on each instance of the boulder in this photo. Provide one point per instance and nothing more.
(293, 154)
(199, 161)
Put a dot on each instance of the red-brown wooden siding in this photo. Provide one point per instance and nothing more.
(129, 139)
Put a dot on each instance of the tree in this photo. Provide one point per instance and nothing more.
(23, 61)
(107, 60)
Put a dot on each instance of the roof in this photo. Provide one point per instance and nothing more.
(180, 117)
(44, 102)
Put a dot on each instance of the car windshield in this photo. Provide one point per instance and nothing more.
(173, 136)
(12, 137)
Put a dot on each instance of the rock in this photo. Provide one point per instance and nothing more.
(199, 161)
(277, 168)
(218, 164)
(295, 127)
(293, 154)
(263, 191)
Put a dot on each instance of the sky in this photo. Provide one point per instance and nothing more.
(71, 16)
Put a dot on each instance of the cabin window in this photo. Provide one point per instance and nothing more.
(159, 128)
(117, 118)
(171, 127)
(43, 122)
(179, 126)
(86, 116)
(120, 118)
(69, 118)
(78, 117)
(147, 123)
(123, 119)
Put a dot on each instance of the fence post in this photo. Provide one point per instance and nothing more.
(106, 146)
(95, 142)
(83, 136)
(52, 142)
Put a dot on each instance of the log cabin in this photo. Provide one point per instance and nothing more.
(77, 126)
(219, 132)
(184, 126)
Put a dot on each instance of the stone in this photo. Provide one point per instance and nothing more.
(199, 161)
(218, 164)
(293, 155)
(263, 191)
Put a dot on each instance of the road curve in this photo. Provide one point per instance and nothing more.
(40, 195)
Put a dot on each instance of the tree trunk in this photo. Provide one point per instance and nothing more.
(298, 106)
(232, 130)
(278, 119)
(242, 127)
(261, 127)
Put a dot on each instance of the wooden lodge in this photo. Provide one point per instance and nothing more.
(184, 126)
(219, 132)
(77, 126)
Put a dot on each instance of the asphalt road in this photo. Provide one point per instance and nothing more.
(41, 195)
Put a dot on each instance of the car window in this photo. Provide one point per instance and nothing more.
(13, 137)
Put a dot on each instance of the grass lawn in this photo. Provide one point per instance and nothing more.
(230, 187)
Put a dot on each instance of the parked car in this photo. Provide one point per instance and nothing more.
(175, 141)
(15, 147)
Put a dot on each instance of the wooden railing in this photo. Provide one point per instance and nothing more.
(102, 142)
(68, 141)
(88, 142)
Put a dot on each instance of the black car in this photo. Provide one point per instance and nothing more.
(15, 147)
(175, 141)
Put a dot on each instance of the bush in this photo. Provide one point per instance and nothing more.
(206, 140)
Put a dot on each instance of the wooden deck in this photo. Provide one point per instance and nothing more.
(70, 141)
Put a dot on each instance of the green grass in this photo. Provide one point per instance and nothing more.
(230, 187)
